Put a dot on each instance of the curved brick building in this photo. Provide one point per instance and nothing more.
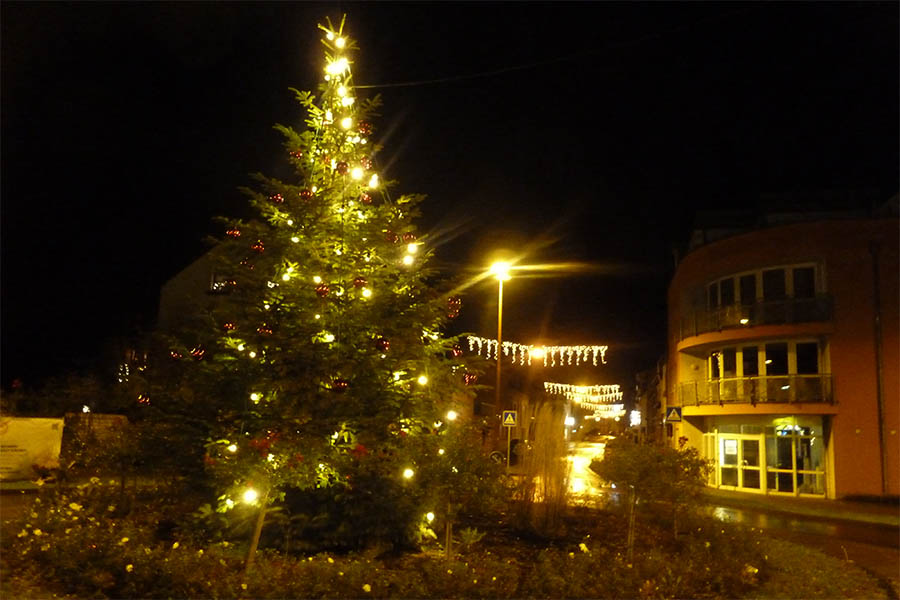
(783, 355)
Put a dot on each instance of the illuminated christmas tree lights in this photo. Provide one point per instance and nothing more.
(330, 370)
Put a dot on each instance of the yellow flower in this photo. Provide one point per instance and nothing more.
(124, 540)
(583, 547)
(243, 586)
(331, 560)
(175, 545)
(38, 532)
(129, 568)
(75, 506)
(367, 588)
(45, 547)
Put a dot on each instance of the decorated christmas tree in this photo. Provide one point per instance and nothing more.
(332, 386)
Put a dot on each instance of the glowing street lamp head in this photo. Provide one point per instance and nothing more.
(250, 496)
(500, 270)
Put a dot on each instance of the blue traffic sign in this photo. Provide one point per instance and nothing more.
(509, 418)
(673, 413)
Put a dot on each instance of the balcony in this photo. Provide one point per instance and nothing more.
(752, 390)
(776, 312)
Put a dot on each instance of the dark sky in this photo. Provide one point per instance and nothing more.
(586, 132)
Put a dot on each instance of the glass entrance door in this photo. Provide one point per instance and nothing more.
(739, 462)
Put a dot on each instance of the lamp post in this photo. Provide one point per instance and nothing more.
(500, 270)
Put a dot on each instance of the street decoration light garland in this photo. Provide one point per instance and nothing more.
(604, 400)
(552, 356)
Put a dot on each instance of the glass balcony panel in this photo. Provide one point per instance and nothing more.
(752, 390)
(766, 312)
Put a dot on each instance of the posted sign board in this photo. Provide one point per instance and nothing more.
(673, 413)
(28, 442)
(509, 418)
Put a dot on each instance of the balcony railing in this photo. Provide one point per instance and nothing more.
(751, 390)
(776, 312)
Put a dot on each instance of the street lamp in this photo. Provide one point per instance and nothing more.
(500, 270)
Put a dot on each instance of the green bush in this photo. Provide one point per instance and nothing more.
(74, 543)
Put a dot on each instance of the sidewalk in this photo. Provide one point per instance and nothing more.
(875, 511)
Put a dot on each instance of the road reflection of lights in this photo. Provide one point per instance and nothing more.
(582, 481)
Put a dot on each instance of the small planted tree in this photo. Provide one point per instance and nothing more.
(661, 479)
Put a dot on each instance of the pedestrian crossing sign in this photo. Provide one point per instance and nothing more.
(509, 418)
(673, 414)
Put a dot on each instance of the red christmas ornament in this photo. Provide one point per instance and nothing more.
(391, 236)
(457, 350)
(264, 329)
(233, 232)
(340, 385)
(365, 198)
(364, 128)
(359, 282)
(409, 237)
(276, 198)
(296, 154)
(342, 168)
(306, 195)
(228, 326)
(175, 355)
(470, 378)
(365, 162)
(198, 352)
(322, 290)
(382, 344)
(453, 306)
(258, 247)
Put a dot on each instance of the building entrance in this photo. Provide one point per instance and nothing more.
(740, 462)
(773, 455)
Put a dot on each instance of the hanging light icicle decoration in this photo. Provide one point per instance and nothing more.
(551, 355)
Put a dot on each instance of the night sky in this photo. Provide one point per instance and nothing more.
(582, 132)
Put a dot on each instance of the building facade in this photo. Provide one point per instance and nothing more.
(783, 356)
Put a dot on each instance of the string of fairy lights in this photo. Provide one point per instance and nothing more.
(604, 400)
(551, 356)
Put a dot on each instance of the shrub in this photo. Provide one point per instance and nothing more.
(656, 479)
